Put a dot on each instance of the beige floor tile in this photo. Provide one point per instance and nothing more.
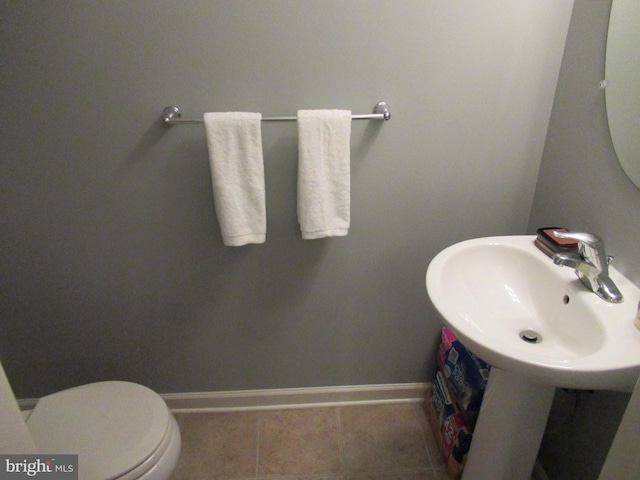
(441, 473)
(217, 446)
(417, 475)
(433, 448)
(303, 477)
(382, 438)
(299, 442)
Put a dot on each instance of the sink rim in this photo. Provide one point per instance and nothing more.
(604, 368)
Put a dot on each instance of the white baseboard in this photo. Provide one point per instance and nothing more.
(285, 397)
(295, 397)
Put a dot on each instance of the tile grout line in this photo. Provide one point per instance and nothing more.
(436, 463)
(258, 440)
(423, 436)
(340, 441)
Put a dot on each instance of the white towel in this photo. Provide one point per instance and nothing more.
(324, 173)
(237, 172)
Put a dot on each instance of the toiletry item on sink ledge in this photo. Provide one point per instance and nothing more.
(550, 244)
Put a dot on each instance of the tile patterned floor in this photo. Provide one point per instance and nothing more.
(367, 442)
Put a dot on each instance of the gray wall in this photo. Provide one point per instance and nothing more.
(113, 266)
(582, 186)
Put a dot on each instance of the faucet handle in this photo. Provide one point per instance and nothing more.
(586, 238)
(590, 247)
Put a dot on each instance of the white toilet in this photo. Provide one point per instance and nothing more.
(119, 430)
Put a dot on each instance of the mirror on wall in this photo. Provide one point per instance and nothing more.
(622, 68)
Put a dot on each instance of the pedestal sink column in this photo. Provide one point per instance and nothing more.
(510, 426)
(623, 460)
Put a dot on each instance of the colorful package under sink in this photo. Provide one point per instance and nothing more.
(456, 436)
(447, 422)
(466, 374)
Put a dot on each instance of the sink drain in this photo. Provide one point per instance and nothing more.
(530, 336)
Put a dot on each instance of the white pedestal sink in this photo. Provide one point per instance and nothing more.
(513, 409)
(493, 291)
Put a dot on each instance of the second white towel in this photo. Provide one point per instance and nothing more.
(237, 172)
(324, 173)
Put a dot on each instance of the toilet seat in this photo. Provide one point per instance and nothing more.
(118, 429)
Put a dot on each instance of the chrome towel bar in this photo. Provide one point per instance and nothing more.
(172, 116)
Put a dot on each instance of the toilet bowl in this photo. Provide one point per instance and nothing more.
(119, 430)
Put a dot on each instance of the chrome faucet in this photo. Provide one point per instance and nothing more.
(591, 265)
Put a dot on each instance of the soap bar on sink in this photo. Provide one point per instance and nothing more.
(550, 244)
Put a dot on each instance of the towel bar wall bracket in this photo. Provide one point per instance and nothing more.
(172, 116)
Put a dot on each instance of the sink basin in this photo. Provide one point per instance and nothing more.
(490, 290)
(540, 328)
